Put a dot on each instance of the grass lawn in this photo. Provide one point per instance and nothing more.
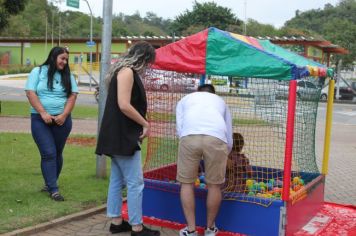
(21, 202)
(22, 109)
(18, 108)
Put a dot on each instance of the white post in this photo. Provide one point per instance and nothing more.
(91, 46)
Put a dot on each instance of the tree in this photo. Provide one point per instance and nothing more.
(255, 28)
(8, 8)
(336, 24)
(204, 15)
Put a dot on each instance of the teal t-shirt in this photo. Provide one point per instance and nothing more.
(52, 101)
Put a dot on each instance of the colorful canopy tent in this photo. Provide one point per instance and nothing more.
(217, 52)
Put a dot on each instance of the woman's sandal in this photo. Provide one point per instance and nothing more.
(56, 197)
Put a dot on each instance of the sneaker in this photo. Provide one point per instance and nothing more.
(124, 227)
(185, 232)
(56, 196)
(211, 231)
(146, 232)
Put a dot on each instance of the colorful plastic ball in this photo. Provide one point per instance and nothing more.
(269, 186)
(249, 182)
(202, 185)
(202, 179)
(262, 184)
(251, 193)
(296, 180)
(278, 183)
(256, 187)
(277, 190)
(301, 181)
(271, 181)
(197, 183)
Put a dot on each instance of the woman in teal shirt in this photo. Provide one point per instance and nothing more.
(52, 92)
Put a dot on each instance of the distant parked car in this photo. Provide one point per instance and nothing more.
(306, 90)
(172, 82)
(345, 91)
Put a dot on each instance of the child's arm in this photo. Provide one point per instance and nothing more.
(248, 167)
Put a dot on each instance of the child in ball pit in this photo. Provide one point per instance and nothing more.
(238, 168)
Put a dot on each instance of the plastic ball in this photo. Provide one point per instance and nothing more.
(277, 190)
(256, 187)
(278, 183)
(251, 193)
(202, 185)
(301, 181)
(197, 183)
(271, 181)
(249, 182)
(262, 184)
(269, 186)
(296, 180)
(202, 179)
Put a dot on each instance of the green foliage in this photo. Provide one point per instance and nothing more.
(8, 8)
(336, 24)
(13, 71)
(39, 13)
(204, 15)
(21, 202)
(254, 28)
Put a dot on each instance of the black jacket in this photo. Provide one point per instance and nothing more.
(119, 135)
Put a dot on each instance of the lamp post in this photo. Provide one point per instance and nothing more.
(90, 45)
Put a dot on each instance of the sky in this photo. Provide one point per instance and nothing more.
(274, 12)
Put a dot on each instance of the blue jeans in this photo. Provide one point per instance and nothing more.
(50, 140)
(126, 170)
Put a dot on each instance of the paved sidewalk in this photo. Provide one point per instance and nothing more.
(95, 225)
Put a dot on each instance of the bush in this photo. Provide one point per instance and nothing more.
(2, 72)
(13, 71)
(26, 69)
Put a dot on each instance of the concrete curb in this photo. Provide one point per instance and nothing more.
(60, 221)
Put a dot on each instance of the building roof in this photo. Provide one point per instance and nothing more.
(325, 45)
